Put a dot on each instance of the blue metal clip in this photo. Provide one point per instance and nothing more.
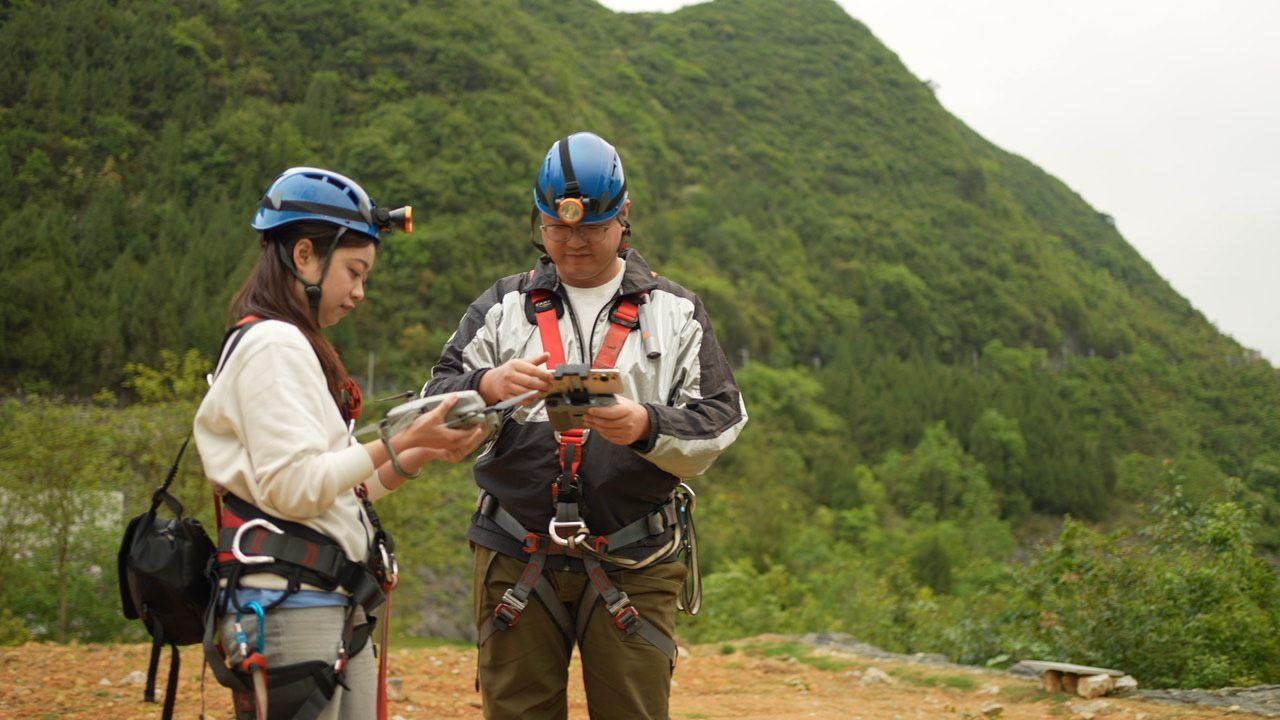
(262, 625)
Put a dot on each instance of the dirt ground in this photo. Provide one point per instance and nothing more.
(759, 678)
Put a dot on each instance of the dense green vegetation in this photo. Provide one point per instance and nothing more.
(948, 349)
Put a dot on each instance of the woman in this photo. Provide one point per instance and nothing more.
(302, 556)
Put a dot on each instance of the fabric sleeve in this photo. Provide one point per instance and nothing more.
(707, 412)
(282, 400)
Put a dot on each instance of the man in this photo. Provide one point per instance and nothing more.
(576, 532)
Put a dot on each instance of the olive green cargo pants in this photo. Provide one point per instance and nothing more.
(524, 670)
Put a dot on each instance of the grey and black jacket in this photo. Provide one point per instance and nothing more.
(695, 408)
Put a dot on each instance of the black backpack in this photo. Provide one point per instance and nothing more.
(164, 569)
(164, 581)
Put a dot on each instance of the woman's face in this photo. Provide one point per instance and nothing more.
(343, 286)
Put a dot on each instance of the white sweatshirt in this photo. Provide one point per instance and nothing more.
(269, 432)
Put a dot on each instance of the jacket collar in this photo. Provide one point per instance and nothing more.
(636, 275)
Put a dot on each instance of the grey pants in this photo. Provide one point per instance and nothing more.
(300, 634)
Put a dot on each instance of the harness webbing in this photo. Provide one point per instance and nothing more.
(566, 494)
(622, 320)
(301, 555)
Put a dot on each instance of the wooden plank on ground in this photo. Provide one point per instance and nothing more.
(1042, 665)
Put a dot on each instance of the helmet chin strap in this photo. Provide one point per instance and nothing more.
(311, 289)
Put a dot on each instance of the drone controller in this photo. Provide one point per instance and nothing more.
(578, 388)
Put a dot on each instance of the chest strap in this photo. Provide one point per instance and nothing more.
(566, 491)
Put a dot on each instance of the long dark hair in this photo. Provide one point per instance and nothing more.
(270, 293)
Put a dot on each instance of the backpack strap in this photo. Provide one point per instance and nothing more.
(157, 644)
(175, 665)
(161, 495)
(232, 339)
(233, 335)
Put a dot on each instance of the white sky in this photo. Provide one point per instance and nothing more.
(1162, 113)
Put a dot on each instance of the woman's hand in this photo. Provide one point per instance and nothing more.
(443, 443)
(516, 377)
(425, 440)
(413, 459)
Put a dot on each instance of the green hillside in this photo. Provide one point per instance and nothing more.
(946, 350)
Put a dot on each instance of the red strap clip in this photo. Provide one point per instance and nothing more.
(256, 661)
(627, 619)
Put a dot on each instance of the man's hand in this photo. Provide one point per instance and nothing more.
(516, 377)
(623, 423)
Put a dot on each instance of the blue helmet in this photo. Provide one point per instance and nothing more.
(310, 194)
(581, 180)
(304, 193)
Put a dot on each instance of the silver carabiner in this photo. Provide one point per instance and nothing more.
(390, 568)
(578, 535)
(253, 559)
(693, 497)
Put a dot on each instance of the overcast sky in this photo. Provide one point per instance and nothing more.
(1164, 114)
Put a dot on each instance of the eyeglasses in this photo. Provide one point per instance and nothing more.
(592, 233)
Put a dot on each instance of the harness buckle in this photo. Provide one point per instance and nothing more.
(253, 559)
(623, 602)
(579, 535)
(507, 612)
(625, 615)
(572, 437)
(531, 542)
(631, 321)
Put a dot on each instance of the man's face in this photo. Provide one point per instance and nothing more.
(586, 255)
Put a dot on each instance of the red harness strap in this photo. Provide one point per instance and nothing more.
(544, 309)
(624, 318)
(566, 494)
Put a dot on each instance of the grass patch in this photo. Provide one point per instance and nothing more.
(1031, 694)
(803, 654)
(924, 679)
(411, 642)
(781, 649)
